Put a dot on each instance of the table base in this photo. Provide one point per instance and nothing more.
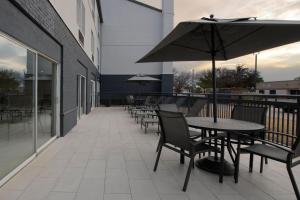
(211, 165)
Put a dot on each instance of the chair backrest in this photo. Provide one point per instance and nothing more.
(196, 108)
(250, 114)
(147, 100)
(174, 128)
(129, 99)
(168, 107)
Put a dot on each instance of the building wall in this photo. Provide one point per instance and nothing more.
(37, 24)
(130, 31)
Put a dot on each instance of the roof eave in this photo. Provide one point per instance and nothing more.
(145, 5)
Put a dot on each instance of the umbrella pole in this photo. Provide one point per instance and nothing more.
(213, 54)
(214, 89)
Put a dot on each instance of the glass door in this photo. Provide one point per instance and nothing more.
(81, 96)
(93, 94)
(45, 100)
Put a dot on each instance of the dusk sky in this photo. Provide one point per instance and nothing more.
(282, 63)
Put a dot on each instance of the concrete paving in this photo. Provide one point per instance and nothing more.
(108, 157)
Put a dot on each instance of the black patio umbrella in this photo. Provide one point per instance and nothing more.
(222, 39)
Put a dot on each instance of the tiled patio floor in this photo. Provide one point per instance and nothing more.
(108, 157)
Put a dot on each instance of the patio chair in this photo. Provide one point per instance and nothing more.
(194, 112)
(176, 137)
(289, 156)
(251, 114)
(152, 118)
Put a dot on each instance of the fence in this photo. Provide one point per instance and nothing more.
(282, 120)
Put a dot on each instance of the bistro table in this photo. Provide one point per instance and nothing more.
(211, 163)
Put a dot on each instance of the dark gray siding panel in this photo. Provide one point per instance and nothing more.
(114, 88)
(167, 83)
(13, 23)
(36, 23)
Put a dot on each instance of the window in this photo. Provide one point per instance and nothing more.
(81, 20)
(92, 45)
(272, 91)
(261, 91)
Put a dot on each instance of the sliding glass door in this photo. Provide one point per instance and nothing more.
(45, 100)
(93, 94)
(27, 103)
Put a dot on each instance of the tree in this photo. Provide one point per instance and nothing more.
(297, 78)
(241, 77)
(182, 81)
(8, 81)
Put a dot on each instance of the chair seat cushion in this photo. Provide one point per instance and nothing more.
(267, 151)
(205, 147)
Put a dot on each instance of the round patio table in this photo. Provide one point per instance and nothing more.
(211, 163)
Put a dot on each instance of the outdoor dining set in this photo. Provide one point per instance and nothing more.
(181, 129)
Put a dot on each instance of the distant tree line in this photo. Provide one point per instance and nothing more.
(241, 77)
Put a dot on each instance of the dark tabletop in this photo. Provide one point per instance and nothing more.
(223, 124)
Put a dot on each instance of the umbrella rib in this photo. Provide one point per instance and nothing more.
(221, 42)
(243, 37)
(206, 40)
(187, 47)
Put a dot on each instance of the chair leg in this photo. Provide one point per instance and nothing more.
(188, 173)
(261, 164)
(157, 158)
(182, 157)
(290, 172)
(251, 163)
(222, 162)
(159, 144)
(237, 164)
(266, 161)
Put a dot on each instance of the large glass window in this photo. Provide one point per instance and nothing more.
(17, 82)
(27, 103)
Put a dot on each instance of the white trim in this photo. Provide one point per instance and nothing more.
(45, 145)
(16, 170)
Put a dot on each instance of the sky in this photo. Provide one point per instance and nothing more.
(282, 63)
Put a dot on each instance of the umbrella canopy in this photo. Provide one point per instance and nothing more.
(142, 78)
(222, 39)
(193, 41)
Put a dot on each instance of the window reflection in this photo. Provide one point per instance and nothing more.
(45, 100)
(17, 66)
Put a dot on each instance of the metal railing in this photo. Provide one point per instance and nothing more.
(282, 120)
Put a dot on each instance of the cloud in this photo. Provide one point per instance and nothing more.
(281, 63)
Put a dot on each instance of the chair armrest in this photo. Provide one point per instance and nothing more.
(267, 142)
